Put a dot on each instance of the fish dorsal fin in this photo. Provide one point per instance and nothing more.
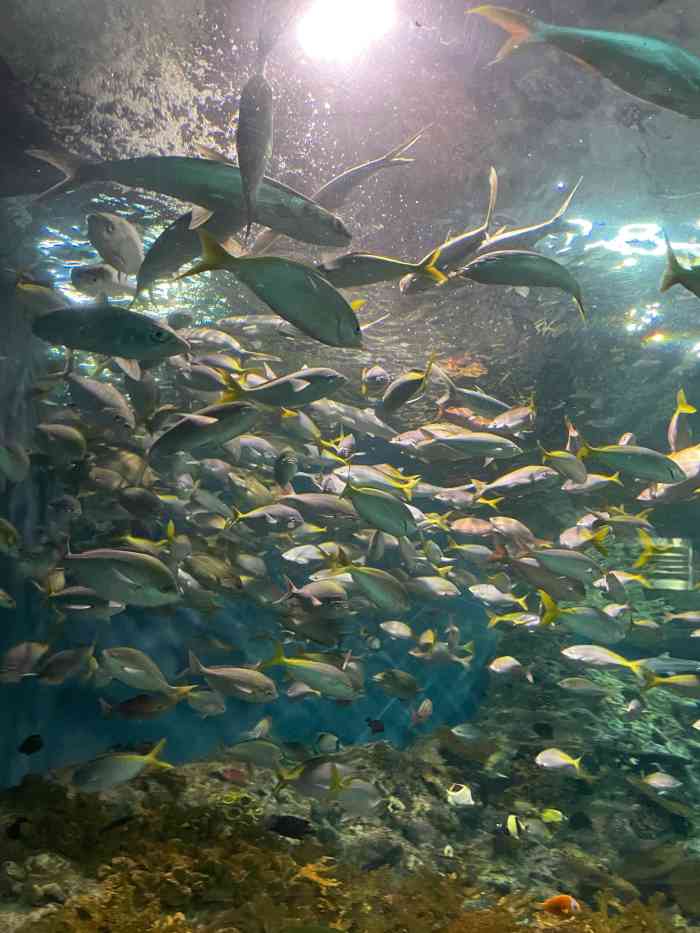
(199, 216)
(493, 195)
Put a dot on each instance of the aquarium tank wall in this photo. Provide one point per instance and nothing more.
(349, 466)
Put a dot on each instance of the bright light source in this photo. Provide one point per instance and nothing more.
(339, 30)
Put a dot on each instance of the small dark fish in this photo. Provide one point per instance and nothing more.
(294, 827)
(14, 830)
(543, 729)
(580, 820)
(32, 744)
(118, 823)
(375, 725)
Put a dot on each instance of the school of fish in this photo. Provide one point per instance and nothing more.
(187, 470)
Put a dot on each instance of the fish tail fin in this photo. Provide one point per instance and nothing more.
(567, 202)
(72, 167)
(152, 756)
(396, 156)
(182, 692)
(409, 485)
(440, 521)
(674, 270)
(289, 591)
(214, 256)
(277, 658)
(649, 549)
(522, 602)
(233, 393)
(428, 267)
(493, 618)
(491, 503)
(615, 478)
(452, 392)
(337, 784)
(428, 370)
(649, 678)
(683, 407)
(522, 27)
(599, 537)
(551, 609)
(195, 664)
(640, 671)
(585, 450)
(478, 484)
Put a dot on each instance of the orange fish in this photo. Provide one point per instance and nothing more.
(561, 904)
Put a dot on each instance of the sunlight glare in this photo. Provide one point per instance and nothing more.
(338, 30)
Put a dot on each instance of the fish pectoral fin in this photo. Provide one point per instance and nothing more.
(200, 421)
(123, 578)
(298, 385)
(233, 246)
(130, 367)
(243, 689)
(213, 155)
(200, 215)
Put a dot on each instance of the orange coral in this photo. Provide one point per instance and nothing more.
(313, 872)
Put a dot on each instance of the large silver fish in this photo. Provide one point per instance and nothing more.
(111, 330)
(212, 185)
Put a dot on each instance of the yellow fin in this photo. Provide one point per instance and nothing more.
(649, 549)
(276, 660)
(428, 267)
(551, 609)
(598, 538)
(358, 304)
(491, 503)
(214, 256)
(522, 27)
(683, 407)
(152, 756)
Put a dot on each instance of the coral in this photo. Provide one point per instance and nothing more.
(315, 872)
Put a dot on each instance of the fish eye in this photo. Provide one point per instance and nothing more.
(338, 225)
(159, 336)
(109, 227)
